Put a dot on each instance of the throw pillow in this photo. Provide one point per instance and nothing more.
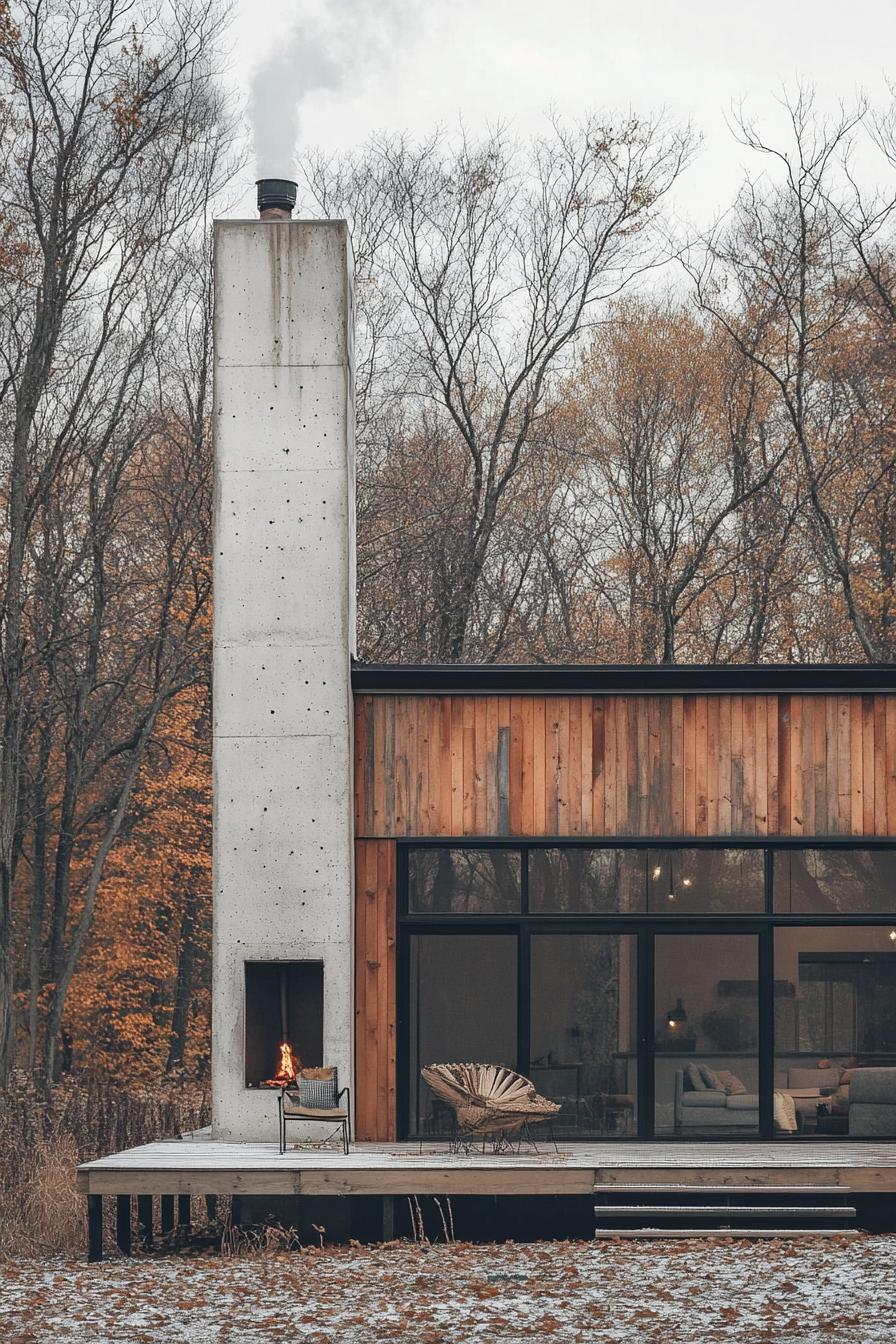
(317, 1088)
(710, 1077)
(731, 1084)
(846, 1077)
(693, 1078)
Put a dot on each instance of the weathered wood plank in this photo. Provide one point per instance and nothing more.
(598, 765)
(712, 765)
(880, 765)
(574, 767)
(677, 768)
(625, 765)
(457, 765)
(784, 781)
(516, 783)
(701, 764)
(527, 765)
(539, 765)
(491, 765)
(890, 768)
(690, 751)
(587, 766)
(844, 780)
(867, 764)
(832, 806)
(760, 784)
(502, 765)
(773, 797)
(807, 767)
(469, 768)
(363, 819)
(552, 764)
(855, 766)
(481, 803)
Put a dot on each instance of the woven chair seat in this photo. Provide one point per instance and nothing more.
(488, 1098)
(315, 1113)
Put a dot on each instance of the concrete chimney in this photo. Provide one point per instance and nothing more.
(284, 633)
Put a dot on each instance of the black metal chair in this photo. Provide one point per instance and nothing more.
(291, 1106)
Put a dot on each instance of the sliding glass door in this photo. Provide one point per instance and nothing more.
(463, 1009)
(705, 1036)
(583, 1030)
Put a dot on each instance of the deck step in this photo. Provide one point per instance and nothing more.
(664, 1233)
(698, 1191)
(725, 1210)
(721, 1211)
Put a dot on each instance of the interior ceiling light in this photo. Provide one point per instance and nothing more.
(685, 881)
(657, 872)
(893, 935)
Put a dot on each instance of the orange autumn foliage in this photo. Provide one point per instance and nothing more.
(120, 1006)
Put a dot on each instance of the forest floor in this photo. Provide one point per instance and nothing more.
(835, 1291)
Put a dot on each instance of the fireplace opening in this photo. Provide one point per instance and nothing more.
(284, 1008)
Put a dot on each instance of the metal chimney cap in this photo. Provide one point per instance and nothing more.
(276, 193)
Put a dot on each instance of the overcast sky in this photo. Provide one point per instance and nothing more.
(509, 59)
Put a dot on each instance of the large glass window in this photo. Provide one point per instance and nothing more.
(529, 954)
(835, 881)
(580, 880)
(464, 881)
(463, 999)
(705, 881)
(835, 1019)
(584, 1030)
(706, 1053)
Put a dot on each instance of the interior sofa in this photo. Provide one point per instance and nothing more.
(702, 1107)
(872, 1103)
(867, 1096)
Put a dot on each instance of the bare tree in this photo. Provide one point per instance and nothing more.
(500, 254)
(114, 142)
(670, 439)
(800, 279)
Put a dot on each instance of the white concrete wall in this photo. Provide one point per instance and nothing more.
(284, 629)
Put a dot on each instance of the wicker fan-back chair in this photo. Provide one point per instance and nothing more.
(488, 1098)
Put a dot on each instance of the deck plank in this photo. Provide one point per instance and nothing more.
(210, 1167)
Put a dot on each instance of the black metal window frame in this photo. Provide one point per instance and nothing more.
(645, 926)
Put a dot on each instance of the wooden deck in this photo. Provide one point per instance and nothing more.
(201, 1166)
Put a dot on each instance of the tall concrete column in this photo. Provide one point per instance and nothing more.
(284, 631)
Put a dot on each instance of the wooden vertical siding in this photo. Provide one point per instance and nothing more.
(647, 765)
(537, 765)
(375, 989)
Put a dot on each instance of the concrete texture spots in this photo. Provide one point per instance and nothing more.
(284, 618)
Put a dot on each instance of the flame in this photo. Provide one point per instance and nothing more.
(287, 1069)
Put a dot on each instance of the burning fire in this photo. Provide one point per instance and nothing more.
(287, 1069)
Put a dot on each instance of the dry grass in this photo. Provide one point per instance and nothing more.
(43, 1140)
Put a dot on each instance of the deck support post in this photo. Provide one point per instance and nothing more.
(183, 1210)
(166, 1213)
(94, 1227)
(144, 1219)
(123, 1223)
(388, 1217)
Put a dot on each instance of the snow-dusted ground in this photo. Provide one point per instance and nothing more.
(672, 1292)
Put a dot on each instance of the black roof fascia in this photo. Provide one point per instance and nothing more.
(622, 679)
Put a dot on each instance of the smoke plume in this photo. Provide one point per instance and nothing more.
(322, 52)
